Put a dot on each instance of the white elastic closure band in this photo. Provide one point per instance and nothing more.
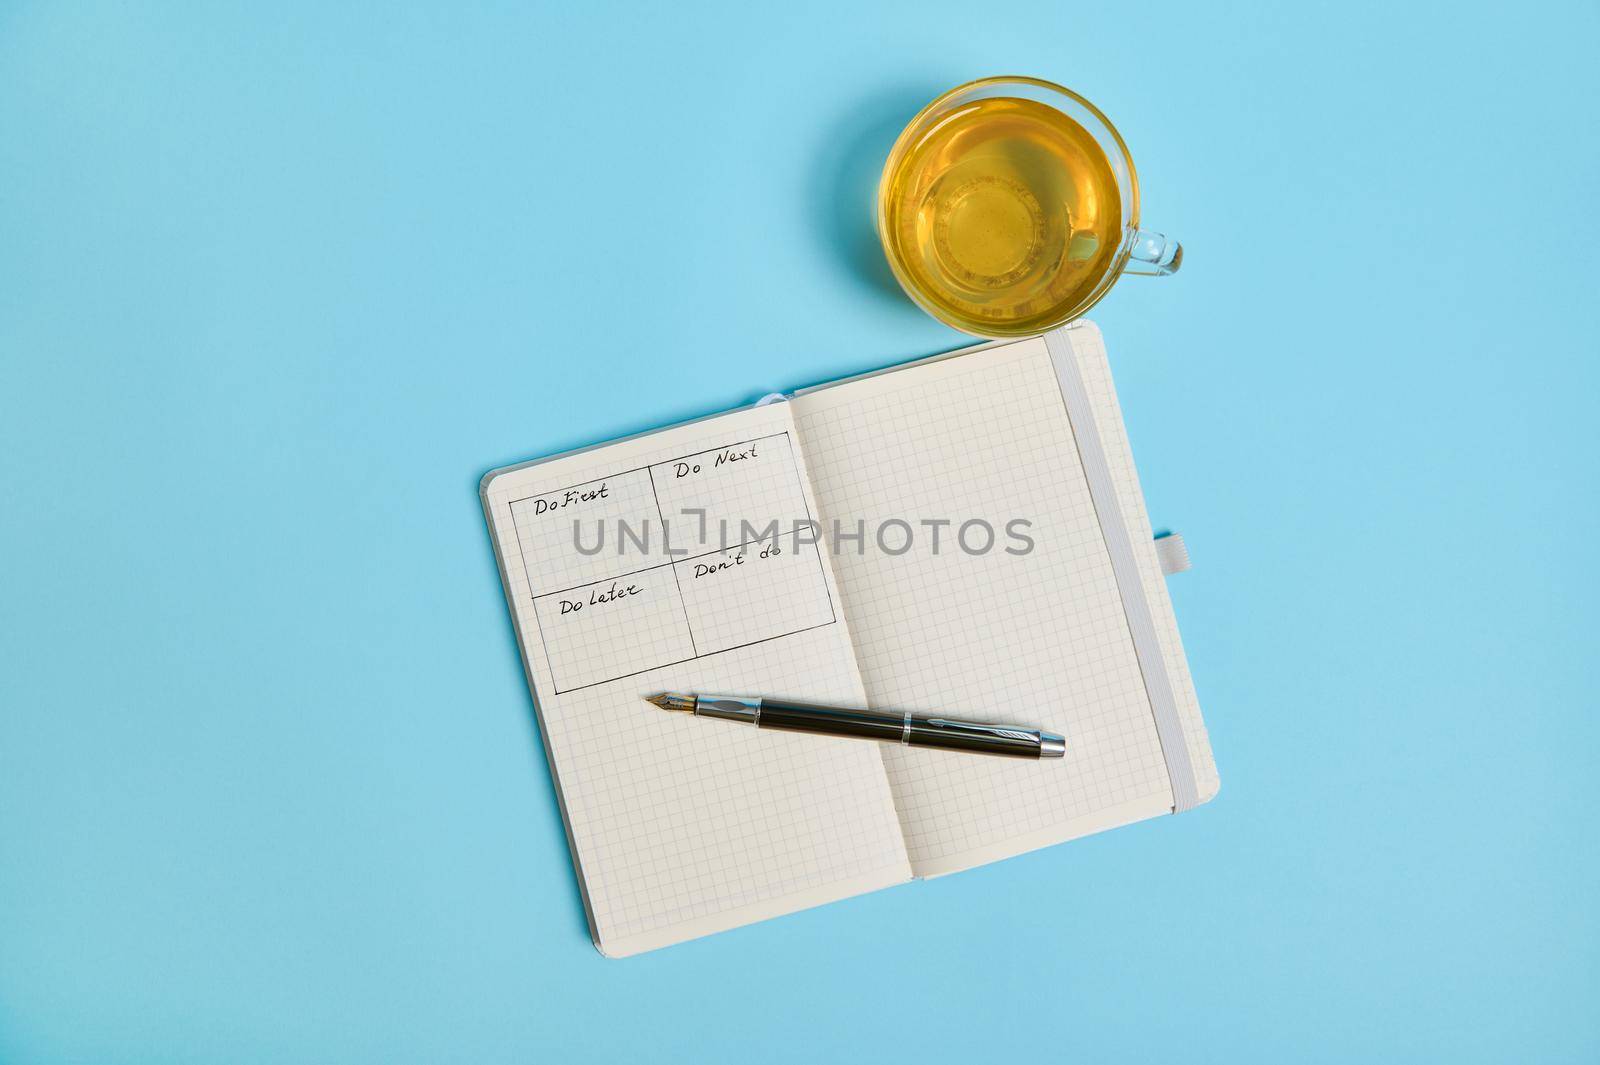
(1125, 568)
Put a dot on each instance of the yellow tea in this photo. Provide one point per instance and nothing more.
(1001, 214)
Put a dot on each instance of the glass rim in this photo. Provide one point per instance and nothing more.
(912, 127)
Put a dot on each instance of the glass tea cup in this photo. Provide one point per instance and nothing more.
(1010, 206)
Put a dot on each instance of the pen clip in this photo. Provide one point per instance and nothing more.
(976, 728)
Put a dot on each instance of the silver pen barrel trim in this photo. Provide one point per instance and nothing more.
(729, 708)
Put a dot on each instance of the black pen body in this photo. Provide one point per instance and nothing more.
(911, 730)
(831, 720)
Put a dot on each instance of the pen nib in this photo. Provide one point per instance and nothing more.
(672, 701)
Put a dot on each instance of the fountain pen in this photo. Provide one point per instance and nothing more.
(912, 730)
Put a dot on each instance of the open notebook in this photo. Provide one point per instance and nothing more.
(832, 548)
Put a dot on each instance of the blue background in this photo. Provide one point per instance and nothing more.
(279, 282)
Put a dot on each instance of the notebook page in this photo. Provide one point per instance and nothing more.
(1035, 637)
(683, 573)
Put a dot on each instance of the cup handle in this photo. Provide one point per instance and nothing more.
(1153, 254)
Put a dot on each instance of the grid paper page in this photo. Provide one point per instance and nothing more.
(1037, 638)
(681, 827)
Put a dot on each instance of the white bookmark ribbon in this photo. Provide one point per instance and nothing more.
(1173, 553)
